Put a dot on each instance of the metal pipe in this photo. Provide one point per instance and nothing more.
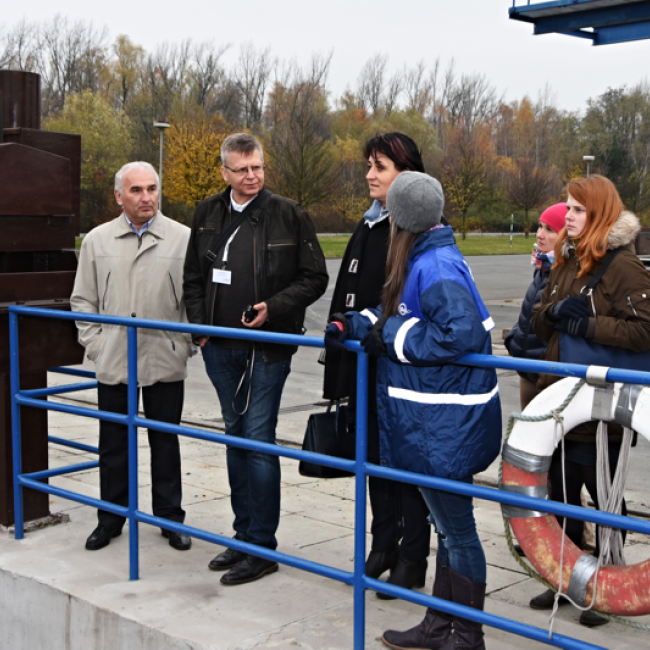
(360, 501)
(132, 350)
(14, 384)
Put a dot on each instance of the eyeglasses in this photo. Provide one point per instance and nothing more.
(243, 171)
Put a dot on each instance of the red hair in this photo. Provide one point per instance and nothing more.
(603, 207)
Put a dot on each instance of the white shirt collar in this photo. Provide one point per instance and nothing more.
(237, 207)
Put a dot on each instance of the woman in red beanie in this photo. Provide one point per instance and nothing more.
(521, 341)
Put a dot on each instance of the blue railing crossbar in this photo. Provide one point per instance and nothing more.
(360, 467)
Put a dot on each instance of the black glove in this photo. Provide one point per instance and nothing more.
(373, 342)
(335, 337)
(574, 326)
(572, 307)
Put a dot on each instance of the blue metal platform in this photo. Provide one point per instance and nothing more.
(604, 22)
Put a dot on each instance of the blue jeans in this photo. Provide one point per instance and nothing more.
(254, 477)
(459, 546)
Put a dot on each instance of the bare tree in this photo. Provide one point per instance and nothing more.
(371, 83)
(72, 58)
(472, 101)
(418, 88)
(167, 72)
(207, 74)
(393, 91)
(251, 77)
(19, 47)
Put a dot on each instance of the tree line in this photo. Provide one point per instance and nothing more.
(494, 157)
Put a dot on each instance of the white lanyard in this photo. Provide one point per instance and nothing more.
(224, 259)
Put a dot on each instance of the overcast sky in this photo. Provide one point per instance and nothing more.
(477, 34)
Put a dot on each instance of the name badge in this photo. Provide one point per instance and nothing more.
(221, 276)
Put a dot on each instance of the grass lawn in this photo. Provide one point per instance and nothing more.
(500, 245)
(484, 245)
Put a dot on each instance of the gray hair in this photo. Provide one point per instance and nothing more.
(134, 165)
(240, 143)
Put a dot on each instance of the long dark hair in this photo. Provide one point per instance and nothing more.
(399, 148)
(406, 156)
(401, 243)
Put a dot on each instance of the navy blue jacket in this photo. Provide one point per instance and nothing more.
(435, 418)
(521, 340)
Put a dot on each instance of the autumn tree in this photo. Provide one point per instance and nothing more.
(193, 158)
(616, 129)
(105, 147)
(463, 175)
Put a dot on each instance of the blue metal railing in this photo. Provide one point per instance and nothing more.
(360, 582)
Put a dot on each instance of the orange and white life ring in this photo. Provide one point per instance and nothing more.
(621, 590)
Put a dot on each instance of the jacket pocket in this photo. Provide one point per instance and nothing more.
(279, 253)
(638, 304)
(94, 349)
(105, 294)
(174, 294)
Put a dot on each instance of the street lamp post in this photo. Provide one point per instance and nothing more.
(161, 126)
(588, 160)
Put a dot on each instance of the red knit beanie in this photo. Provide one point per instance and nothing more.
(555, 216)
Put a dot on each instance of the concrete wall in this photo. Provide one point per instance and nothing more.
(36, 616)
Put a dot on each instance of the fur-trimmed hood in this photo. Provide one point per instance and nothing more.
(623, 233)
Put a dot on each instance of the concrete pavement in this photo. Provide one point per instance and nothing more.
(55, 595)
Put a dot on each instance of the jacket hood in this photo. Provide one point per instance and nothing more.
(434, 238)
(623, 233)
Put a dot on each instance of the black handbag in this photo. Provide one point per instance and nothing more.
(575, 349)
(327, 433)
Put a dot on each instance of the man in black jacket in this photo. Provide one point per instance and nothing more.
(250, 248)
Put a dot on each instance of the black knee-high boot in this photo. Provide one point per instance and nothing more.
(434, 629)
(467, 635)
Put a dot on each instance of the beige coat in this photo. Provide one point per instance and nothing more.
(118, 277)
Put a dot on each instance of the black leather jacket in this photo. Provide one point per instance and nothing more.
(290, 271)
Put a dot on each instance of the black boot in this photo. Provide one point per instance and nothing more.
(467, 635)
(408, 574)
(380, 561)
(434, 628)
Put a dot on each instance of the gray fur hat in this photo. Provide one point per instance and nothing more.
(415, 201)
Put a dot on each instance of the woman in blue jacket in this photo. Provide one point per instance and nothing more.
(435, 418)
(521, 341)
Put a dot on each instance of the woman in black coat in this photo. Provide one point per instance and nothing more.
(400, 529)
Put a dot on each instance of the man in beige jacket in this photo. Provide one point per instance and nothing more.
(133, 266)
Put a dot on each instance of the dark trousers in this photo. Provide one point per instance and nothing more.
(400, 516)
(577, 475)
(161, 401)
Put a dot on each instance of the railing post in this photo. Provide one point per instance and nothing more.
(14, 387)
(132, 347)
(360, 501)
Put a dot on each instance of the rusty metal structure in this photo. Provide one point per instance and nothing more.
(39, 219)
